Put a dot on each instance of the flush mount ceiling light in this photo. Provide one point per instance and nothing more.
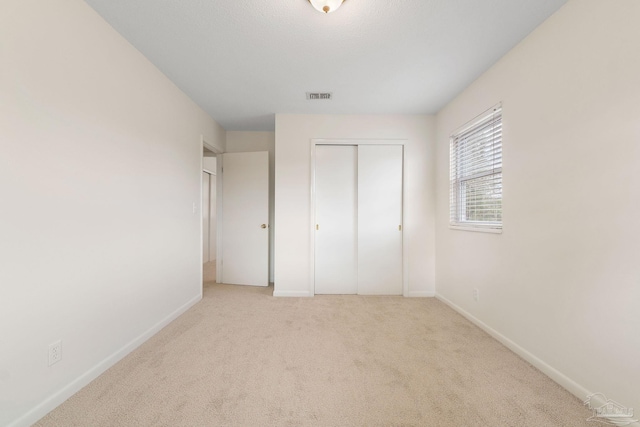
(326, 6)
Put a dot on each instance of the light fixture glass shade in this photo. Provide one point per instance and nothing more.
(326, 6)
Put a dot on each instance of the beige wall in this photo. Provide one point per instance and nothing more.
(562, 283)
(100, 164)
(243, 142)
(292, 191)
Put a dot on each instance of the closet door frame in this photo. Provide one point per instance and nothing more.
(312, 204)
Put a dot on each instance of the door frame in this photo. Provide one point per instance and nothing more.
(312, 204)
(204, 144)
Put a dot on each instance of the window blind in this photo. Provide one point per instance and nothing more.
(475, 198)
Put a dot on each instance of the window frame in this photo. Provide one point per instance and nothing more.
(458, 178)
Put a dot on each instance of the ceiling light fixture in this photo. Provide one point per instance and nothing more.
(326, 6)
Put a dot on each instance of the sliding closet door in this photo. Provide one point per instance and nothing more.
(336, 220)
(380, 219)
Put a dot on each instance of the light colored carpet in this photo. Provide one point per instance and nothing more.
(243, 358)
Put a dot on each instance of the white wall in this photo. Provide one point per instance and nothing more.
(100, 164)
(243, 142)
(292, 191)
(563, 280)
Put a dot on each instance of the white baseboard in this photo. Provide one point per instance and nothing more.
(298, 294)
(57, 398)
(570, 385)
(566, 382)
(421, 294)
(414, 294)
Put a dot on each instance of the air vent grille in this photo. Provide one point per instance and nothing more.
(316, 96)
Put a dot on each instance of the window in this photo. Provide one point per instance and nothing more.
(475, 194)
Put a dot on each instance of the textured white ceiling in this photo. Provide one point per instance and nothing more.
(245, 60)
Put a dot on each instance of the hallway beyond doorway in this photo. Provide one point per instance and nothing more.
(209, 272)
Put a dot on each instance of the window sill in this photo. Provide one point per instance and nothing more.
(476, 229)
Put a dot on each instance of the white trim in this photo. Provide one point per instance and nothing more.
(204, 144)
(478, 229)
(209, 147)
(57, 398)
(312, 204)
(358, 141)
(297, 294)
(422, 294)
(566, 382)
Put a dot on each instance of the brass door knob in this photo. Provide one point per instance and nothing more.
(263, 226)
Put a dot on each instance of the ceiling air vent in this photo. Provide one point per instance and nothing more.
(319, 95)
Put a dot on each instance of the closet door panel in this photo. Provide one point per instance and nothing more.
(380, 219)
(336, 220)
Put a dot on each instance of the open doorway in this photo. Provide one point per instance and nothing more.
(209, 216)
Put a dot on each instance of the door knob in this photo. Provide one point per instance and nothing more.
(263, 226)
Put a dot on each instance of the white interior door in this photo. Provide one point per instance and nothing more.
(245, 218)
(336, 220)
(206, 210)
(380, 219)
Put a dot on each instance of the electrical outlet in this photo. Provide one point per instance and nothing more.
(476, 295)
(55, 352)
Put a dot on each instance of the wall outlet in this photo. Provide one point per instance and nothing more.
(476, 295)
(55, 352)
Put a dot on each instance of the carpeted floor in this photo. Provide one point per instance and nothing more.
(243, 358)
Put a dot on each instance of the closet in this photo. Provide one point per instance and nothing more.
(358, 219)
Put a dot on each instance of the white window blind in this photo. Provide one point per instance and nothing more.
(475, 196)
